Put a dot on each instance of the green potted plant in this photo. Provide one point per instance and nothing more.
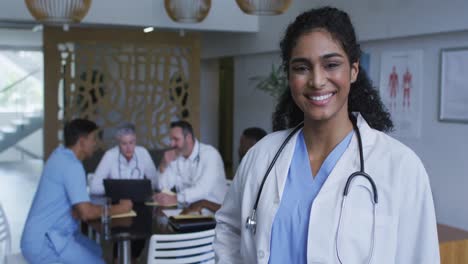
(274, 83)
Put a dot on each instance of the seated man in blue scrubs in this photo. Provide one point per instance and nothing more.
(51, 233)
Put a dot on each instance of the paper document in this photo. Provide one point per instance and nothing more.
(153, 203)
(172, 212)
(166, 191)
(129, 214)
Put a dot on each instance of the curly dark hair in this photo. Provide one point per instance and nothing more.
(362, 97)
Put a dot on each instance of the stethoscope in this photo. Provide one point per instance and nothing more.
(135, 169)
(179, 171)
(251, 223)
(196, 159)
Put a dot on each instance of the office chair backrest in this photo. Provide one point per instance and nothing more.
(185, 248)
(5, 238)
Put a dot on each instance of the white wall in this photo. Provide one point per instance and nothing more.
(374, 19)
(209, 102)
(252, 107)
(10, 38)
(247, 99)
(443, 147)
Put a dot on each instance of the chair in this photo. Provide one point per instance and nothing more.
(196, 247)
(5, 242)
(5, 239)
(90, 164)
(157, 155)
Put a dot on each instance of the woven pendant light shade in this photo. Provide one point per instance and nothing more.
(58, 11)
(263, 7)
(187, 11)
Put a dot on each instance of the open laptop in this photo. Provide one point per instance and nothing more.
(139, 191)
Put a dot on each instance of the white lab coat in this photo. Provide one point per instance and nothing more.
(114, 165)
(200, 176)
(406, 230)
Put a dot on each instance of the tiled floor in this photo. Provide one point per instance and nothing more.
(18, 183)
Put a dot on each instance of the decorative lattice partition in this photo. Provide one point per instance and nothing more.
(111, 76)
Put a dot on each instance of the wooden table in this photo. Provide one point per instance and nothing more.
(148, 221)
(124, 230)
(453, 244)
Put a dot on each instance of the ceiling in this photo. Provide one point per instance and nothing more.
(224, 16)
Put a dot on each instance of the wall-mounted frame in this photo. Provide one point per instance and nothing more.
(453, 93)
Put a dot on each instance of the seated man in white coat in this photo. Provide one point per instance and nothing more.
(250, 136)
(194, 169)
(125, 161)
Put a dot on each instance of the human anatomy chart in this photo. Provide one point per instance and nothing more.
(401, 90)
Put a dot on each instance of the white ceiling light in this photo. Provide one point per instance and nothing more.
(187, 11)
(148, 29)
(263, 7)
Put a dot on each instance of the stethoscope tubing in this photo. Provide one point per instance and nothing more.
(251, 222)
(137, 169)
(197, 160)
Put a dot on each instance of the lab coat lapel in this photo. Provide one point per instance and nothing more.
(325, 209)
(326, 206)
(270, 200)
(281, 168)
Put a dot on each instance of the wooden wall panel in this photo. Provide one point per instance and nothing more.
(115, 75)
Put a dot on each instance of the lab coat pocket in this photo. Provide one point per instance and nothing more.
(355, 232)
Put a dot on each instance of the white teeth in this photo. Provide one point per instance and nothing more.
(320, 98)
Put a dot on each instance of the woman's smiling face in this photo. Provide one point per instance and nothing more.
(320, 76)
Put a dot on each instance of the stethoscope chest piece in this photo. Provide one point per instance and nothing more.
(251, 222)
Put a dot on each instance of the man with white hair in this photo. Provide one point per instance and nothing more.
(124, 161)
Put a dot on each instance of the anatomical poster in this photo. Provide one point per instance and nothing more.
(401, 90)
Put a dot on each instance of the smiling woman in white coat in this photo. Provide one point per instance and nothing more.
(331, 187)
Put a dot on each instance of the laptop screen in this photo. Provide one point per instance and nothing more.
(139, 191)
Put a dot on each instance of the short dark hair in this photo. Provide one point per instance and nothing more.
(185, 126)
(254, 133)
(77, 128)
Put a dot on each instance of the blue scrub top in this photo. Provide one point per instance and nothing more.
(291, 225)
(50, 222)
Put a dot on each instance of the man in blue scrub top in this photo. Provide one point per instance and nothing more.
(51, 233)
